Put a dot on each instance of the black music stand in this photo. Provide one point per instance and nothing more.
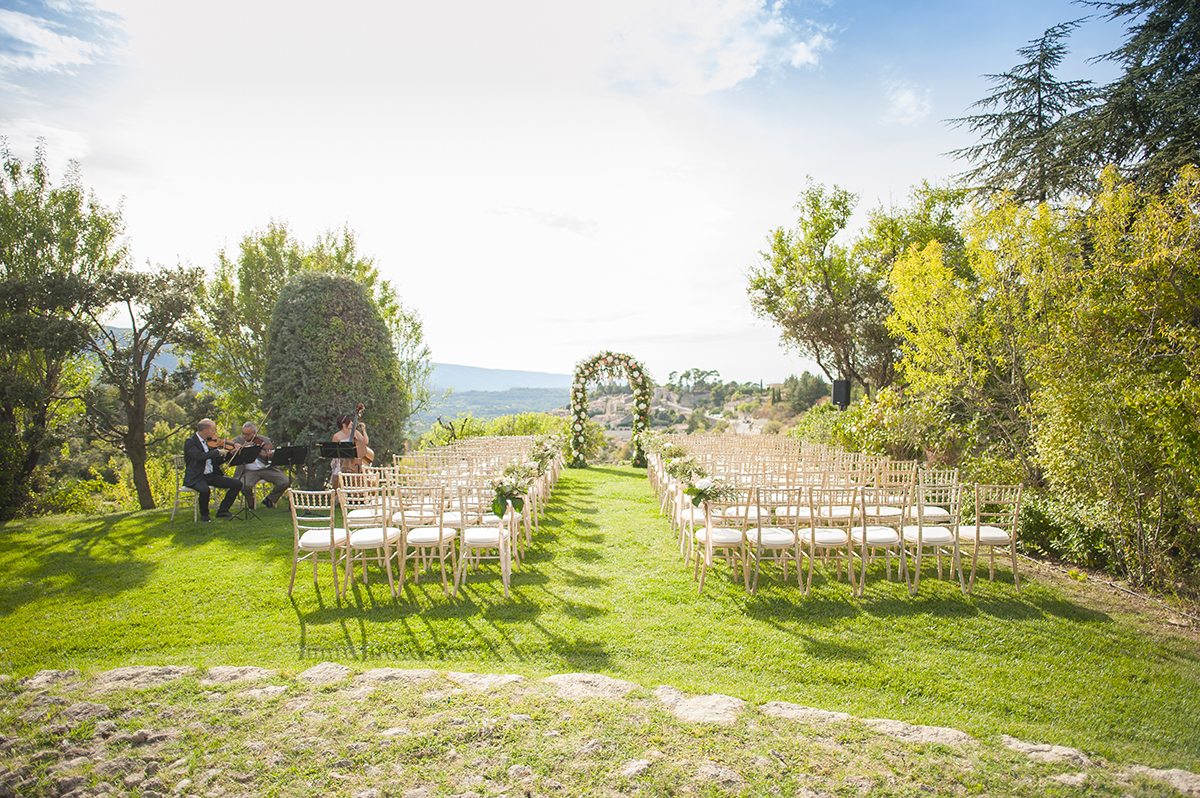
(245, 455)
(289, 457)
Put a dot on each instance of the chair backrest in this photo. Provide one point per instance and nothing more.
(933, 490)
(998, 506)
(834, 506)
(418, 505)
(363, 507)
(312, 509)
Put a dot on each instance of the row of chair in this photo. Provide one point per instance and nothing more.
(394, 516)
(818, 503)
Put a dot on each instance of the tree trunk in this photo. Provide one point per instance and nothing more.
(135, 448)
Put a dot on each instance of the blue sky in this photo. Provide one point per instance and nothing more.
(540, 180)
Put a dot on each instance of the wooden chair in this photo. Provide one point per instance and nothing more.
(774, 538)
(371, 536)
(724, 531)
(182, 490)
(423, 534)
(481, 533)
(831, 514)
(997, 514)
(937, 514)
(315, 532)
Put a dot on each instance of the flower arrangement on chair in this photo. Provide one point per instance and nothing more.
(709, 489)
(512, 485)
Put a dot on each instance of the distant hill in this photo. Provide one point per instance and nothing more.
(472, 378)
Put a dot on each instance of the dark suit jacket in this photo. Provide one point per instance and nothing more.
(195, 456)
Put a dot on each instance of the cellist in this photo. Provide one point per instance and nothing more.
(345, 432)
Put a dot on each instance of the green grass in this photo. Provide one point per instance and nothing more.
(604, 591)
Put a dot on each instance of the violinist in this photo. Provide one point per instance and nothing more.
(252, 473)
(203, 454)
(346, 431)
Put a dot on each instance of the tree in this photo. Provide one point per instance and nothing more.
(828, 300)
(56, 243)
(804, 391)
(1028, 143)
(157, 307)
(244, 291)
(1117, 429)
(1148, 120)
(327, 349)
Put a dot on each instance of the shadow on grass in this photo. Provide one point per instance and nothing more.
(93, 557)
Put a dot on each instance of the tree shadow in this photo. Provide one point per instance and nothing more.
(93, 558)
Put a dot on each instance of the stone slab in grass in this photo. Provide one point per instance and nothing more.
(1051, 754)
(140, 677)
(788, 711)
(48, 678)
(715, 708)
(909, 733)
(1182, 780)
(325, 673)
(590, 685)
(483, 681)
(83, 712)
(409, 675)
(229, 674)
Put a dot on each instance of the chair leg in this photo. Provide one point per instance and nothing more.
(1016, 576)
(295, 562)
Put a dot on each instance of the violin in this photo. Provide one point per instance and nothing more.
(222, 443)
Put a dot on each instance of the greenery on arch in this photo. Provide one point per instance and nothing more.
(614, 365)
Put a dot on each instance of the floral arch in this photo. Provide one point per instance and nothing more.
(610, 364)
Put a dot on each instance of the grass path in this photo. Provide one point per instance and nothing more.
(604, 591)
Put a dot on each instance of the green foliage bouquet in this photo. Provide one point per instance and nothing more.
(512, 485)
(685, 468)
(709, 489)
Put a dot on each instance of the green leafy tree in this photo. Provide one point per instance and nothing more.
(56, 243)
(829, 300)
(327, 349)
(1027, 141)
(1148, 120)
(244, 291)
(157, 306)
(804, 391)
(1118, 428)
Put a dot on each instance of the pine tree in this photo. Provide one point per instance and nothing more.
(1027, 144)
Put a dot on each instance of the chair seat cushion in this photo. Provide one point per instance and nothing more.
(825, 537)
(988, 535)
(482, 536)
(721, 536)
(837, 511)
(929, 536)
(884, 511)
(318, 539)
(931, 511)
(372, 537)
(771, 537)
(876, 535)
(430, 535)
(365, 512)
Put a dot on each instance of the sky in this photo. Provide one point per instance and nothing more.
(540, 180)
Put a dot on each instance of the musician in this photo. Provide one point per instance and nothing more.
(345, 431)
(202, 470)
(252, 473)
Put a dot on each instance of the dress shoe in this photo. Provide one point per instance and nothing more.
(224, 514)
(270, 505)
(204, 519)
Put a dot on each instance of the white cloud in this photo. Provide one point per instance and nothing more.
(37, 48)
(907, 103)
(558, 221)
(704, 46)
(62, 145)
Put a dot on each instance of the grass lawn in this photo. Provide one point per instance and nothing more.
(604, 591)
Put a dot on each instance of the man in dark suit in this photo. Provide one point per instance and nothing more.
(202, 471)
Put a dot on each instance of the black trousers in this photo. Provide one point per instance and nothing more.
(232, 487)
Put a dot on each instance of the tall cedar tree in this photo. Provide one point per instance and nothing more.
(327, 349)
(1027, 144)
(1148, 120)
